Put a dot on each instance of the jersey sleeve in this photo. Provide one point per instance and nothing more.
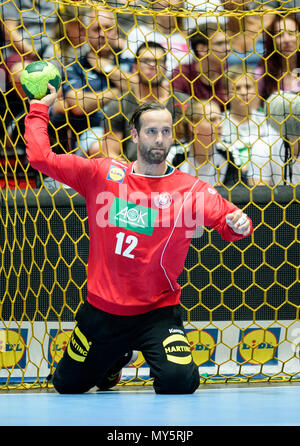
(75, 171)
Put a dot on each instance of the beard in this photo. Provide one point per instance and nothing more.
(152, 155)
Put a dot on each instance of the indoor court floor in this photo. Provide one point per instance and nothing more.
(267, 404)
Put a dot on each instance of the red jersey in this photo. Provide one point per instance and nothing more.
(140, 226)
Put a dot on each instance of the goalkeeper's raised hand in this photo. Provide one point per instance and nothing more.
(49, 99)
(239, 222)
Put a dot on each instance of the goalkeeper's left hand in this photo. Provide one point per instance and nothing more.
(49, 99)
(239, 222)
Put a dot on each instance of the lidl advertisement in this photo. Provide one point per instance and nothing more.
(13, 347)
(220, 349)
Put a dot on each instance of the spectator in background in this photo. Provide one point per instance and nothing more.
(96, 78)
(148, 85)
(245, 31)
(276, 160)
(281, 68)
(205, 6)
(126, 21)
(3, 114)
(88, 84)
(70, 35)
(245, 121)
(2, 84)
(70, 39)
(202, 78)
(167, 30)
(199, 157)
(246, 41)
(28, 28)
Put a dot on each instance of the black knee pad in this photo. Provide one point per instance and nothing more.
(179, 380)
(66, 385)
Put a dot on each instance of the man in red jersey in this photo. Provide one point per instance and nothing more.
(141, 222)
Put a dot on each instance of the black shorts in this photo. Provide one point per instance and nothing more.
(100, 339)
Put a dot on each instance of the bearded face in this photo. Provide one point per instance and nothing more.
(155, 136)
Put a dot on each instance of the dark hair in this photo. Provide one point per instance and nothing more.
(274, 62)
(148, 46)
(203, 33)
(135, 121)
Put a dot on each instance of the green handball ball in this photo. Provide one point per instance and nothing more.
(36, 77)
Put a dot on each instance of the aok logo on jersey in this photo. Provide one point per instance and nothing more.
(127, 215)
(13, 347)
(58, 342)
(259, 346)
(203, 346)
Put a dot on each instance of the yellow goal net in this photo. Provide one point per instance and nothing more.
(229, 73)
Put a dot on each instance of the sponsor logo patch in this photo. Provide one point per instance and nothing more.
(116, 174)
(78, 346)
(127, 215)
(177, 349)
(163, 200)
(211, 190)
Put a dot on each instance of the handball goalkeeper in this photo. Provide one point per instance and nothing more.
(141, 220)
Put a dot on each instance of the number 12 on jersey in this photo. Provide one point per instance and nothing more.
(125, 245)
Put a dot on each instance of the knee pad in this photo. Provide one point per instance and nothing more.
(178, 380)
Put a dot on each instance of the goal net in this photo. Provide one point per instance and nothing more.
(229, 73)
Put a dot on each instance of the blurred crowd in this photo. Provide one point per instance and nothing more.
(230, 78)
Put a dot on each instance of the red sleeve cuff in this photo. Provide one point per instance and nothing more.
(37, 106)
